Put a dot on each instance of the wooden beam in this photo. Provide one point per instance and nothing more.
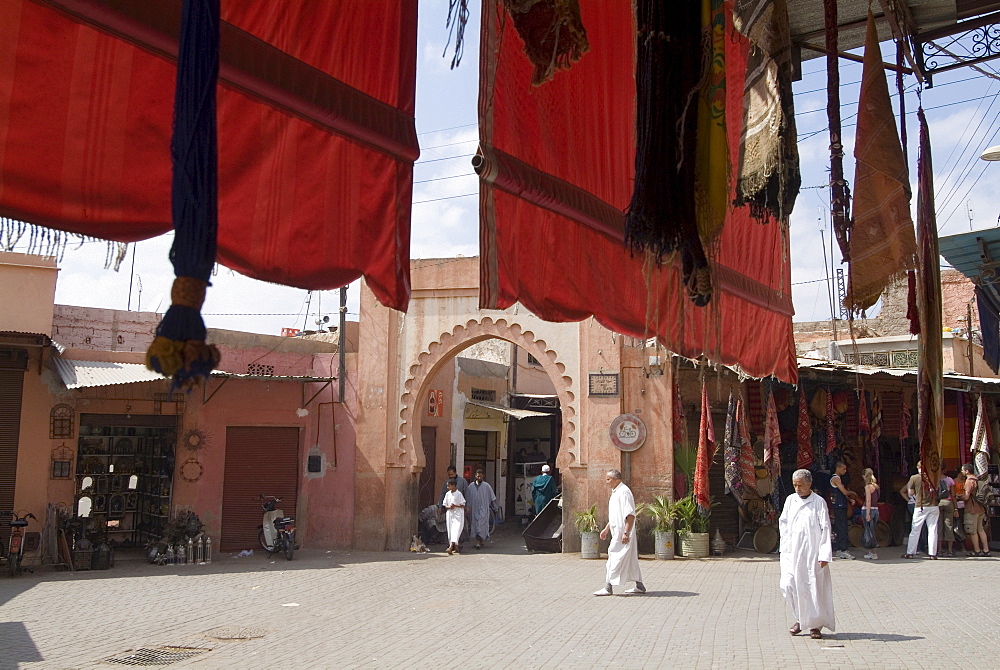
(852, 57)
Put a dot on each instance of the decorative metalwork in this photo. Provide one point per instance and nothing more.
(904, 359)
(881, 359)
(260, 370)
(61, 422)
(484, 395)
(965, 43)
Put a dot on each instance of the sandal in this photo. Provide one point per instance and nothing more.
(815, 634)
(908, 556)
(796, 629)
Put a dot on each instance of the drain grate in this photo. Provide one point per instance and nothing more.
(157, 656)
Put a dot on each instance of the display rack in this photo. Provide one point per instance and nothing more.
(126, 473)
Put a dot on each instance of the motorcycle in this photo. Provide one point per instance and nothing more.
(15, 550)
(277, 533)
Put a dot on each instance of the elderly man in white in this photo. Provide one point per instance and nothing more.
(623, 552)
(805, 558)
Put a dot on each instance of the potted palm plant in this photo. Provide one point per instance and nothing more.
(692, 528)
(662, 511)
(586, 524)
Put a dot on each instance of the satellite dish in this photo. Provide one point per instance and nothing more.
(991, 154)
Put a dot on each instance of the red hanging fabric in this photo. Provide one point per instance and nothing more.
(831, 430)
(772, 440)
(316, 136)
(706, 451)
(747, 474)
(804, 455)
(556, 166)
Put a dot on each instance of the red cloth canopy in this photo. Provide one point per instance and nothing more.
(557, 167)
(315, 125)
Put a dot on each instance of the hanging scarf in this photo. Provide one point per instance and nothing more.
(804, 456)
(930, 391)
(678, 416)
(905, 418)
(882, 244)
(661, 216)
(731, 448)
(864, 425)
(747, 475)
(712, 160)
(831, 430)
(979, 449)
(706, 451)
(876, 433)
(768, 179)
(772, 440)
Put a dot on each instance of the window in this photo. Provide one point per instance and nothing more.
(484, 395)
(259, 370)
(61, 422)
(533, 361)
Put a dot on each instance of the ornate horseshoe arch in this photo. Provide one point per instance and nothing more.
(442, 350)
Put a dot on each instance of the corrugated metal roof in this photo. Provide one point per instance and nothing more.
(966, 252)
(81, 374)
(819, 365)
(515, 413)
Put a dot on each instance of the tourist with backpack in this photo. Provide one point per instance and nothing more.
(975, 496)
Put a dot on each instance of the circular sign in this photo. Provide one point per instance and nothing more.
(628, 432)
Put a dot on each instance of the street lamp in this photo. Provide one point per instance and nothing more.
(991, 154)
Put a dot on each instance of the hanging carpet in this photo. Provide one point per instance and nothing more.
(556, 167)
(316, 136)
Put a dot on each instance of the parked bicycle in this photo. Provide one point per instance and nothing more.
(15, 546)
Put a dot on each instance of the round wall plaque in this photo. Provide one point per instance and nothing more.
(628, 432)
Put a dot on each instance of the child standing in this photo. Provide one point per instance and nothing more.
(454, 503)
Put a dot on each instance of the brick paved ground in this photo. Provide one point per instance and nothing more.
(502, 607)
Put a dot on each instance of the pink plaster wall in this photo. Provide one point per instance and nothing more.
(27, 292)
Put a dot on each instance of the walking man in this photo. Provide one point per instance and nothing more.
(925, 510)
(804, 526)
(480, 500)
(623, 552)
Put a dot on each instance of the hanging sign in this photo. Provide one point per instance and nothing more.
(628, 432)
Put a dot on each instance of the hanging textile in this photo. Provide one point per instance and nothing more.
(706, 452)
(553, 34)
(661, 217)
(712, 169)
(912, 313)
(731, 449)
(804, 455)
(747, 474)
(678, 415)
(316, 136)
(831, 428)
(179, 350)
(864, 424)
(840, 193)
(882, 245)
(905, 418)
(988, 305)
(772, 440)
(979, 450)
(768, 179)
(557, 167)
(930, 383)
(876, 434)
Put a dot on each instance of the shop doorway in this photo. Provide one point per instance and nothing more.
(259, 459)
(11, 382)
(428, 491)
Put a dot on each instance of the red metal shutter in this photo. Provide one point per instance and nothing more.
(11, 382)
(259, 459)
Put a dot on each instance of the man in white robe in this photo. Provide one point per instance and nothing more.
(623, 552)
(805, 557)
(454, 503)
(479, 500)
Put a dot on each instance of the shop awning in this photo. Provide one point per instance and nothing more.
(316, 133)
(83, 374)
(953, 381)
(556, 170)
(516, 414)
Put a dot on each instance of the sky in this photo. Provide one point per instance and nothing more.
(963, 108)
